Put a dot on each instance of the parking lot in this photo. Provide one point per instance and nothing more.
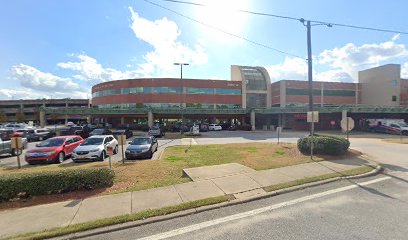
(218, 137)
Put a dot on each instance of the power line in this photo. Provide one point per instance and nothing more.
(225, 32)
(297, 19)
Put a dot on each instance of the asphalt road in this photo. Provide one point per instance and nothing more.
(370, 208)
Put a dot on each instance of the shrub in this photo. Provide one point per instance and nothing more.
(322, 144)
(49, 182)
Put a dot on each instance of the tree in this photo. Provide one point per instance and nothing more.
(20, 116)
(3, 116)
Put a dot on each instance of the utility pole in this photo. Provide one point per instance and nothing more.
(310, 71)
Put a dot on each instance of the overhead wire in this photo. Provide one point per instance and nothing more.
(297, 19)
(223, 31)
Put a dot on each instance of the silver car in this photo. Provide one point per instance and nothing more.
(94, 148)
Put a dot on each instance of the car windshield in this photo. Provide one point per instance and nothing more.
(403, 125)
(92, 141)
(120, 131)
(98, 131)
(53, 142)
(154, 128)
(141, 141)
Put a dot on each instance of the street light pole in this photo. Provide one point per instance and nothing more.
(182, 92)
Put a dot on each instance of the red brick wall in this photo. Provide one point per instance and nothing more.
(275, 91)
(404, 92)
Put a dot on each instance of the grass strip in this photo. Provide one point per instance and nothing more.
(59, 231)
(400, 141)
(352, 172)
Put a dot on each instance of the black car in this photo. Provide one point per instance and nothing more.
(141, 147)
(100, 131)
(126, 132)
(36, 134)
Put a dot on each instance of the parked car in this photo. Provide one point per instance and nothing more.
(141, 147)
(54, 149)
(126, 132)
(100, 131)
(203, 127)
(36, 134)
(15, 126)
(5, 142)
(70, 124)
(214, 127)
(232, 128)
(156, 131)
(94, 148)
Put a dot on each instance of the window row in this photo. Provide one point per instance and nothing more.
(168, 105)
(317, 92)
(176, 90)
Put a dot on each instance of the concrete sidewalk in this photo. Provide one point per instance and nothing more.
(211, 181)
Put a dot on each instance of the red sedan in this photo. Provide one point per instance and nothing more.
(53, 149)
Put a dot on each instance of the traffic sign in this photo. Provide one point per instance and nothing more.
(16, 143)
(313, 116)
(347, 124)
(109, 150)
(122, 139)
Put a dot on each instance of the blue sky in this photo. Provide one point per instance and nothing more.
(61, 48)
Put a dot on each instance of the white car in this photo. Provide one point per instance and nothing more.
(214, 127)
(94, 148)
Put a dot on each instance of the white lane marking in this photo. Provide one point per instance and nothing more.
(202, 225)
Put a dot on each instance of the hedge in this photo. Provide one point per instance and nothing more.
(323, 144)
(50, 182)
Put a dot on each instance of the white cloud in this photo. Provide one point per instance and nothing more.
(33, 78)
(395, 37)
(296, 69)
(404, 70)
(90, 70)
(27, 93)
(351, 58)
(289, 69)
(333, 76)
(36, 84)
(162, 35)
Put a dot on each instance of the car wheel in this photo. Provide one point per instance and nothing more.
(14, 152)
(61, 157)
(102, 157)
(115, 151)
(150, 154)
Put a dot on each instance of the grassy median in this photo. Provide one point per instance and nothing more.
(400, 141)
(352, 172)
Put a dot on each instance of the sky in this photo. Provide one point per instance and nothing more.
(59, 49)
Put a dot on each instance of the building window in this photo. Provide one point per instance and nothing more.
(226, 91)
(394, 83)
(317, 92)
(394, 98)
(256, 100)
(200, 90)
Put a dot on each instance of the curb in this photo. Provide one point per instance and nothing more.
(187, 212)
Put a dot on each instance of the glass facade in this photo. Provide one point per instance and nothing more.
(166, 90)
(168, 105)
(256, 100)
(317, 92)
(254, 79)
